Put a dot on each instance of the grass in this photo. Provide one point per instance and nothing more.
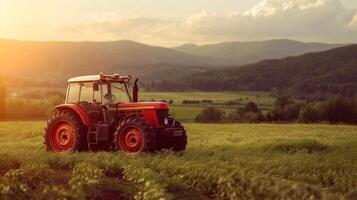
(221, 162)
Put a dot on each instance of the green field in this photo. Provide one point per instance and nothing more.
(221, 162)
(187, 113)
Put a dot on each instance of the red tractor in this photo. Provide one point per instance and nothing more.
(100, 114)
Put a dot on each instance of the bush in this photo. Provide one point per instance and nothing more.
(210, 114)
(250, 114)
(339, 109)
(285, 109)
(251, 117)
(283, 101)
(334, 110)
(310, 113)
(207, 101)
(190, 102)
(251, 107)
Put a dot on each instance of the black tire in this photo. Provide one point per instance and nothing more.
(146, 134)
(179, 143)
(72, 120)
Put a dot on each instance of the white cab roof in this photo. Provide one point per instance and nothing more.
(100, 77)
(84, 78)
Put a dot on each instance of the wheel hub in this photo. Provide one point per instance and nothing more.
(62, 137)
(131, 140)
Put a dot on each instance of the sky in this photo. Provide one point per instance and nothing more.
(173, 22)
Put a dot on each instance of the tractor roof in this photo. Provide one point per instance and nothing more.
(100, 77)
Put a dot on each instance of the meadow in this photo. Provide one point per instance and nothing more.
(222, 161)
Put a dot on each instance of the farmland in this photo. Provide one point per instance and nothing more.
(226, 101)
(41, 100)
(229, 161)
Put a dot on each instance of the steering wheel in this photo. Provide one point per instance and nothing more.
(110, 98)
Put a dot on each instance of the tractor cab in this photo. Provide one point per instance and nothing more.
(99, 90)
(101, 113)
(98, 94)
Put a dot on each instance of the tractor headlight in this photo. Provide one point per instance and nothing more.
(166, 121)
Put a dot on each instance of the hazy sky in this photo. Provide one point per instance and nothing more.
(173, 22)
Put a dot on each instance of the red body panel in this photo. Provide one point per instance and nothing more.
(145, 105)
(82, 114)
(148, 110)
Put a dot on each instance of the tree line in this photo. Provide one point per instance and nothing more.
(335, 110)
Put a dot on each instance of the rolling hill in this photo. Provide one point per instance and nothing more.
(60, 60)
(56, 61)
(241, 53)
(313, 74)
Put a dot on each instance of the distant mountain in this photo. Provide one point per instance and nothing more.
(59, 60)
(310, 75)
(240, 53)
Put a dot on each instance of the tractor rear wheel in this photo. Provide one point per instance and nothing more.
(135, 135)
(65, 133)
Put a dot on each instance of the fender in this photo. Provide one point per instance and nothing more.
(77, 109)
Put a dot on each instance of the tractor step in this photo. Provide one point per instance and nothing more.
(92, 137)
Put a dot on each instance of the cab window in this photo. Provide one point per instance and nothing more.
(120, 93)
(73, 93)
(86, 92)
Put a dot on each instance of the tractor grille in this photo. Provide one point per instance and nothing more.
(161, 115)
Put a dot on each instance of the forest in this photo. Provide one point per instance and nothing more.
(309, 76)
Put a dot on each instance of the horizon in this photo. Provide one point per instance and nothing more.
(179, 45)
(168, 24)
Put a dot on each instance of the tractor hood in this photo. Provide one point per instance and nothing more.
(143, 106)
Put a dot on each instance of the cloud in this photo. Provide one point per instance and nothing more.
(322, 20)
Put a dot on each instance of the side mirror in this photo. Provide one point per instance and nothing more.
(136, 91)
(96, 86)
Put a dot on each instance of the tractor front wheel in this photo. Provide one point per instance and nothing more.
(64, 133)
(134, 135)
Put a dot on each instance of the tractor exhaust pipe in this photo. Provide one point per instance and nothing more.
(136, 91)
